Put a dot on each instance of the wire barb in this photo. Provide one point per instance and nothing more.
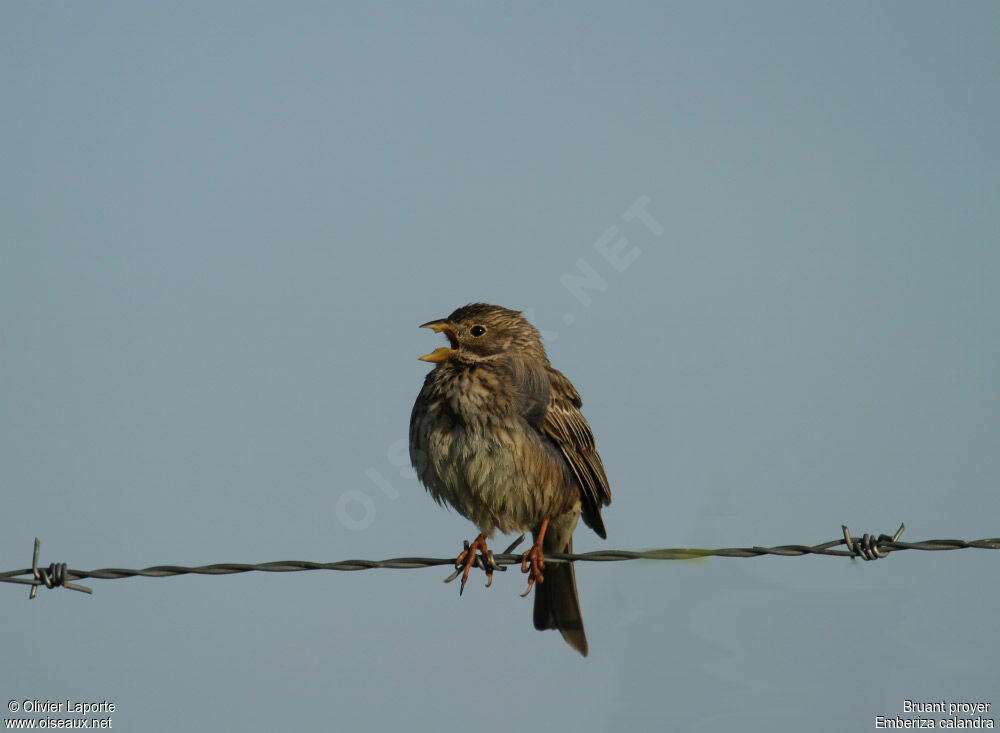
(487, 565)
(53, 576)
(866, 547)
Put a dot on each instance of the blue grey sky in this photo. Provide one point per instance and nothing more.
(760, 238)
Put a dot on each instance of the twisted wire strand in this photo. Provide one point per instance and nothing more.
(867, 547)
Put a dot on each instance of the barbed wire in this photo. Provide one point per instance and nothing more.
(867, 547)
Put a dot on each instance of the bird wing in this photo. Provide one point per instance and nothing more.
(567, 427)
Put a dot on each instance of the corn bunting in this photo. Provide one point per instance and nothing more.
(497, 433)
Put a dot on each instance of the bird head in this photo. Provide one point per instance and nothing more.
(478, 332)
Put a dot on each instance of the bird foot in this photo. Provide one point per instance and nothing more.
(533, 563)
(477, 554)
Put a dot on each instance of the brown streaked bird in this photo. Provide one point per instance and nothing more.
(497, 433)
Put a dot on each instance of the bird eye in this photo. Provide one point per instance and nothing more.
(477, 331)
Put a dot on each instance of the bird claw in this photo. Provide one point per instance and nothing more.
(477, 554)
(533, 563)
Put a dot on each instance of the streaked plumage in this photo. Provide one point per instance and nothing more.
(497, 434)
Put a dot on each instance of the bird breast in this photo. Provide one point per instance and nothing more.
(476, 454)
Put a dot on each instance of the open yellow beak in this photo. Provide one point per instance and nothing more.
(443, 352)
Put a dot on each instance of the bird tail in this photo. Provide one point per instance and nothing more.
(557, 605)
